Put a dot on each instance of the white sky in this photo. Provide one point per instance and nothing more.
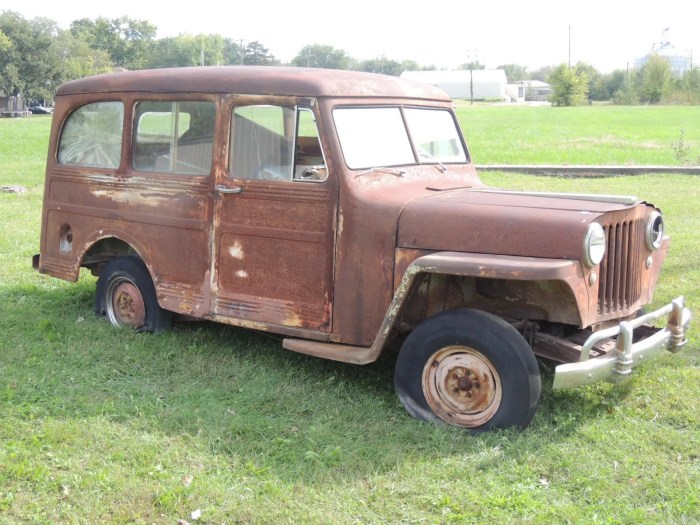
(607, 34)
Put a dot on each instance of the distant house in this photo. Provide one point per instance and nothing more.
(487, 83)
(528, 91)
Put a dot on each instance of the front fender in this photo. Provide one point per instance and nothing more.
(484, 266)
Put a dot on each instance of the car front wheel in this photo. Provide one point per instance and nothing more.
(469, 369)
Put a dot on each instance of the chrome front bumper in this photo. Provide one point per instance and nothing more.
(618, 363)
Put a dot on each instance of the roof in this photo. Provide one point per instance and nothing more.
(251, 80)
(530, 83)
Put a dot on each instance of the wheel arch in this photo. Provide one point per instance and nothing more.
(499, 272)
(104, 246)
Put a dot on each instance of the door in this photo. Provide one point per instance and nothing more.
(274, 227)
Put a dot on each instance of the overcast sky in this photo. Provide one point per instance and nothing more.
(607, 34)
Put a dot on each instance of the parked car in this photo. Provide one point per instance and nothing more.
(41, 110)
(342, 210)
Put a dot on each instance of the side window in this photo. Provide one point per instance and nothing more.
(174, 137)
(262, 142)
(275, 143)
(92, 136)
(309, 163)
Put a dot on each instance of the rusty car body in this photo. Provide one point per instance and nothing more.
(342, 211)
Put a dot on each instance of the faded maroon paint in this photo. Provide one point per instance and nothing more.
(324, 261)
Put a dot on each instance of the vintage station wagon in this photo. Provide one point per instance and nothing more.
(343, 211)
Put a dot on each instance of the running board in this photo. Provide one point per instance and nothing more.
(358, 355)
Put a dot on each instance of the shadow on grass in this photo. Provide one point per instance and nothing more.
(239, 394)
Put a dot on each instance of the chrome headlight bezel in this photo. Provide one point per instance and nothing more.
(654, 231)
(594, 245)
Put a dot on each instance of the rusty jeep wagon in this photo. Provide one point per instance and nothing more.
(342, 211)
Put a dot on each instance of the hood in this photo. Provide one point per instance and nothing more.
(503, 222)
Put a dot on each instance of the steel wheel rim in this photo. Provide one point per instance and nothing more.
(462, 386)
(125, 305)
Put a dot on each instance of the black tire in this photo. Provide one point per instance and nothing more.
(126, 296)
(469, 369)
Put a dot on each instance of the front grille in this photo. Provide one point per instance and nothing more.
(622, 267)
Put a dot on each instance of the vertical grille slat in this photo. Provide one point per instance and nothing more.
(620, 271)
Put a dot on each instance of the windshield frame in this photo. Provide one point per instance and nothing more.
(418, 159)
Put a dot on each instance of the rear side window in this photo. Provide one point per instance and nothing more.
(174, 137)
(92, 136)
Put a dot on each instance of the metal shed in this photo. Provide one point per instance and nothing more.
(487, 83)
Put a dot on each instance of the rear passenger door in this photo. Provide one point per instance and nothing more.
(274, 223)
(170, 182)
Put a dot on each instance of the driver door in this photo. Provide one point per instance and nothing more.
(275, 221)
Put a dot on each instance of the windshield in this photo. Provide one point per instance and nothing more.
(388, 136)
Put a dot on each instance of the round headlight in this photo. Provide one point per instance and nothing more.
(654, 230)
(594, 244)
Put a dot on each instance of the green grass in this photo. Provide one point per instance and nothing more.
(99, 425)
(622, 135)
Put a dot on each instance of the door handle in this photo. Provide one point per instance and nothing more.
(225, 189)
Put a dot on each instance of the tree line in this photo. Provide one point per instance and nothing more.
(36, 56)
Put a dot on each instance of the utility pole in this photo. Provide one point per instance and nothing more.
(471, 53)
(569, 46)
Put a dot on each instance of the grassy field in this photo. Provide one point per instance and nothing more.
(619, 135)
(99, 425)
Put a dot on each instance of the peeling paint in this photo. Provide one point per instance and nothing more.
(242, 274)
(236, 251)
(132, 197)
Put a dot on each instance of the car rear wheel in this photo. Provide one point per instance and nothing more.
(469, 369)
(126, 296)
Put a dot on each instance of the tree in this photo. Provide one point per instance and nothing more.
(596, 84)
(30, 63)
(381, 65)
(614, 82)
(78, 59)
(128, 42)
(542, 73)
(233, 52)
(514, 72)
(569, 86)
(318, 55)
(656, 79)
(472, 65)
(187, 50)
(256, 54)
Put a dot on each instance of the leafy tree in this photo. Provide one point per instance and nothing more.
(5, 50)
(542, 73)
(30, 62)
(79, 59)
(472, 65)
(514, 72)
(233, 51)
(256, 54)
(596, 82)
(187, 50)
(386, 66)
(380, 65)
(324, 56)
(128, 42)
(656, 79)
(569, 86)
(613, 82)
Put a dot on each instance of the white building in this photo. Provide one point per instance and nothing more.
(528, 91)
(680, 60)
(486, 83)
